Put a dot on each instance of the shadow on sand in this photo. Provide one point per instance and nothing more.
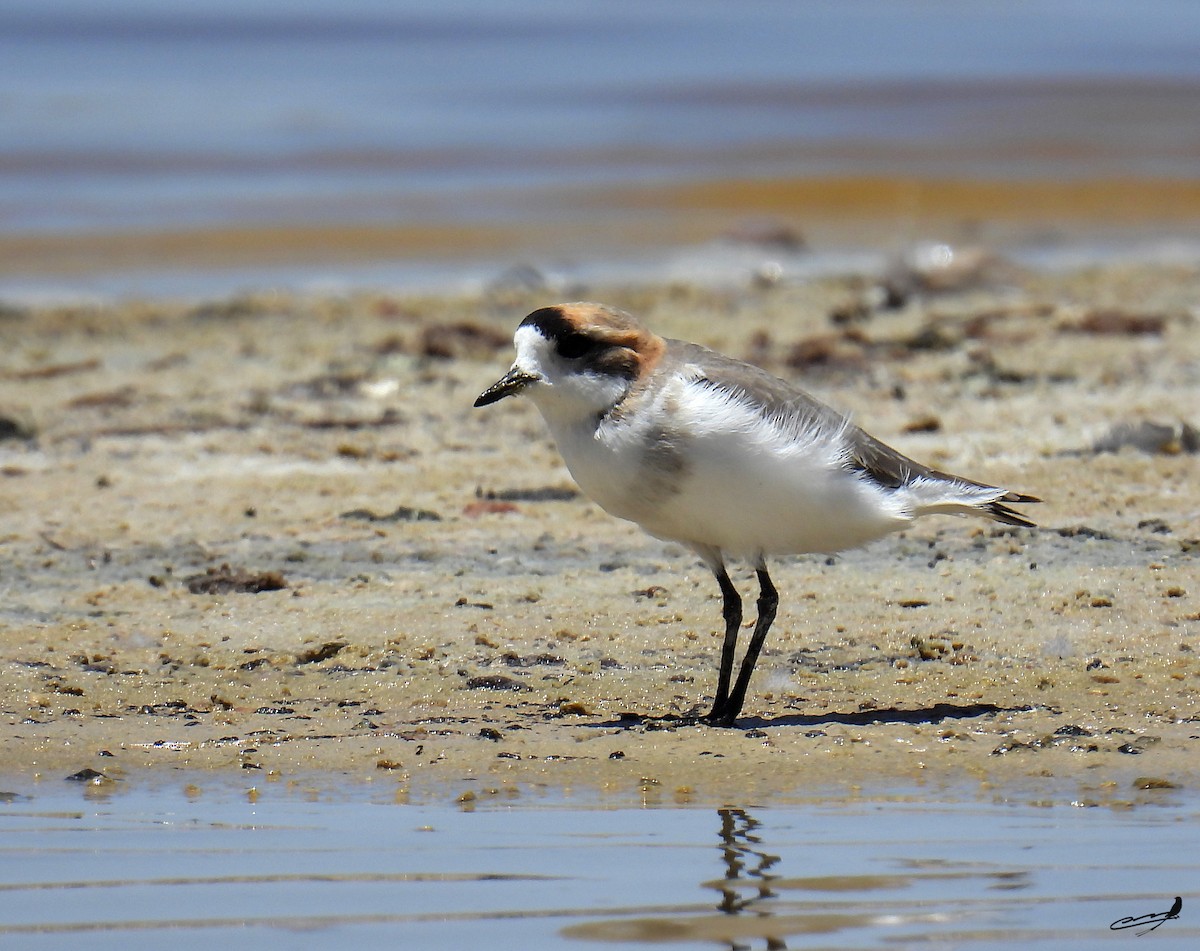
(936, 713)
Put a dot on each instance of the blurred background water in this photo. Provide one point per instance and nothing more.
(135, 116)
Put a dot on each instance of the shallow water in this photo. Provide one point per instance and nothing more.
(211, 864)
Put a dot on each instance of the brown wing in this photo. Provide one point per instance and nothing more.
(777, 397)
(894, 469)
(773, 396)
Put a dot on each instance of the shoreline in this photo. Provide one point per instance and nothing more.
(610, 233)
(624, 790)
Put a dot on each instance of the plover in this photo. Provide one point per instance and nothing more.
(720, 456)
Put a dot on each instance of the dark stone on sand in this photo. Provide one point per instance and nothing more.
(226, 580)
(402, 513)
(495, 682)
(87, 775)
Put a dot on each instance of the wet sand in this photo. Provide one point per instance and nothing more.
(270, 535)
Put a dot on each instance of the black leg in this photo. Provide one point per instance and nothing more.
(768, 602)
(731, 609)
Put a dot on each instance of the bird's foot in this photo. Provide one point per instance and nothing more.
(719, 715)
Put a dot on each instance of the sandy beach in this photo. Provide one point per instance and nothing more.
(269, 534)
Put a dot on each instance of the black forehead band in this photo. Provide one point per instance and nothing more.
(551, 323)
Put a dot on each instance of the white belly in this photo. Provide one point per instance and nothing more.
(735, 481)
(747, 501)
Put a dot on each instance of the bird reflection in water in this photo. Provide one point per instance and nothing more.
(748, 878)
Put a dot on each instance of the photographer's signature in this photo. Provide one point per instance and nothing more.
(1152, 920)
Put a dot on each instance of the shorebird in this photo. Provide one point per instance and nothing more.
(720, 456)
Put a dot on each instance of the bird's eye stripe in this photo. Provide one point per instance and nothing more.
(573, 346)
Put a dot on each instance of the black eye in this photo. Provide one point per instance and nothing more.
(574, 346)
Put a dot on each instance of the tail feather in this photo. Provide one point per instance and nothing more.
(969, 498)
(1002, 513)
(931, 491)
